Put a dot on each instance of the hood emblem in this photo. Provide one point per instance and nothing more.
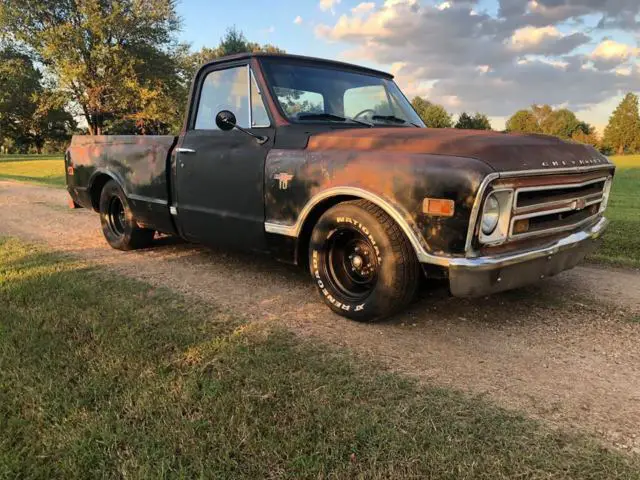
(575, 163)
(283, 180)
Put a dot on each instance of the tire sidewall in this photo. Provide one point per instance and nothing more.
(121, 242)
(379, 301)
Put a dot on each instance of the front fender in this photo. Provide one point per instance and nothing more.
(297, 180)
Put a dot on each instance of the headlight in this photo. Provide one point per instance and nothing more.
(490, 215)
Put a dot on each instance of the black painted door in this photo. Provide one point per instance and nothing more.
(220, 174)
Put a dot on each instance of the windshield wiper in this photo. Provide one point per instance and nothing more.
(392, 118)
(331, 116)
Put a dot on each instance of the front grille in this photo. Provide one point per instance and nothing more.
(540, 210)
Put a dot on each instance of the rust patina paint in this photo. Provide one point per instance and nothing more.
(403, 179)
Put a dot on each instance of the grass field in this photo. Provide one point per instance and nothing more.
(104, 377)
(40, 169)
(621, 245)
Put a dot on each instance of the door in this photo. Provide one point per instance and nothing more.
(220, 175)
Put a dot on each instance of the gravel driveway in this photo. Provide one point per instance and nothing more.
(566, 350)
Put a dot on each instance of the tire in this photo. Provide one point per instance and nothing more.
(118, 225)
(364, 267)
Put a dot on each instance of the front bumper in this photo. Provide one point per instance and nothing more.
(470, 277)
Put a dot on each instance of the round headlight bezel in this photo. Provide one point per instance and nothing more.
(490, 215)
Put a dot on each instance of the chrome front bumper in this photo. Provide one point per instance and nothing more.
(470, 277)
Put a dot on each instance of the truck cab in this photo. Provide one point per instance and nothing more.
(327, 165)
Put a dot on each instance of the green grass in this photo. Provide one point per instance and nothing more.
(40, 169)
(621, 245)
(30, 156)
(105, 377)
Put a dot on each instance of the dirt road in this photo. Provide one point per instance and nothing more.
(566, 350)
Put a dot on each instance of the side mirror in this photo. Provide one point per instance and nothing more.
(226, 120)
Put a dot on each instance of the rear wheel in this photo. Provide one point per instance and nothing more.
(363, 265)
(118, 225)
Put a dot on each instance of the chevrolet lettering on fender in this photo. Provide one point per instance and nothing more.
(326, 165)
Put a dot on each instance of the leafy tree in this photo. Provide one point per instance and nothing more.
(108, 55)
(30, 115)
(561, 123)
(478, 122)
(622, 133)
(523, 121)
(544, 117)
(589, 138)
(433, 116)
(231, 43)
(50, 124)
(19, 82)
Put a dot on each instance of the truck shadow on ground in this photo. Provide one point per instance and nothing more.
(536, 304)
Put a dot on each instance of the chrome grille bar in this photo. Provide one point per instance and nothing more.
(558, 208)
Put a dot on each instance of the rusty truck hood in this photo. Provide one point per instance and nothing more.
(502, 152)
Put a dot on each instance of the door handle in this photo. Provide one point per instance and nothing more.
(185, 150)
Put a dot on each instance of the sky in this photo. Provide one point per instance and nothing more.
(491, 56)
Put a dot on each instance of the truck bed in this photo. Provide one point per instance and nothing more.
(138, 162)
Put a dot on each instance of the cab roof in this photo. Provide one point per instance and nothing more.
(301, 59)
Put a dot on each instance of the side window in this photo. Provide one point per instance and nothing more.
(224, 90)
(259, 117)
(294, 101)
(369, 97)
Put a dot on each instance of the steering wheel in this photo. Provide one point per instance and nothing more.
(366, 110)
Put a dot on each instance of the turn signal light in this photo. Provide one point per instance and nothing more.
(438, 207)
(521, 226)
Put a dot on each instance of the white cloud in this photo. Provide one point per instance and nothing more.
(363, 8)
(495, 63)
(545, 40)
(297, 20)
(526, 37)
(329, 5)
(609, 54)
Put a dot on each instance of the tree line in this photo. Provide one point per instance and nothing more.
(621, 136)
(118, 65)
(115, 64)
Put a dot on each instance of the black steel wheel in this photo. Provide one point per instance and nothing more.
(363, 265)
(118, 224)
(351, 264)
(116, 217)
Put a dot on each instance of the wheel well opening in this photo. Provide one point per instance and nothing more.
(302, 253)
(96, 190)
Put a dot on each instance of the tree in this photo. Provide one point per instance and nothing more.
(589, 138)
(478, 122)
(561, 123)
(30, 114)
(523, 121)
(434, 116)
(19, 82)
(108, 55)
(231, 43)
(622, 133)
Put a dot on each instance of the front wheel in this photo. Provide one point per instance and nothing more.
(363, 265)
(118, 225)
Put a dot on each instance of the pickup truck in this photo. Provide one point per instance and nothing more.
(326, 165)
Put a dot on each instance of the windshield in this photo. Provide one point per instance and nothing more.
(325, 94)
